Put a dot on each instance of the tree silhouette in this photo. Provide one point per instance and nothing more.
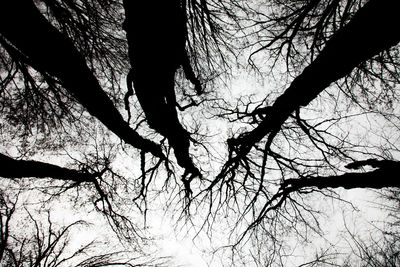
(329, 67)
(49, 244)
(155, 57)
(344, 51)
(61, 60)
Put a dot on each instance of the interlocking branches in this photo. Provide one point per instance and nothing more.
(68, 67)
(103, 182)
(344, 51)
(45, 243)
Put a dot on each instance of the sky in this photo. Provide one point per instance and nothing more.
(172, 238)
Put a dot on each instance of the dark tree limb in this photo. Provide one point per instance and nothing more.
(13, 168)
(49, 51)
(156, 51)
(386, 175)
(372, 30)
(16, 169)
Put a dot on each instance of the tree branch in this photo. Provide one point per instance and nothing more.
(49, 51)
(361, 39)
(12, 168)
(387, 175)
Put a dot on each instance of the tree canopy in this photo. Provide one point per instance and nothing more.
(271, 108)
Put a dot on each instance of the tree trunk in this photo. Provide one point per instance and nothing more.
(47, 50)
(373, 29)
(156, 50)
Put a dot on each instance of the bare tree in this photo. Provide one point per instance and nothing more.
(183, 28)
(295, 147)
(343, 52)
(68, 67)
(50, 245)
(339, 69)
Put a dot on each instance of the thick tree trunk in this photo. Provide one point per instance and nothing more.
(156, 50)
(12, 168)
(372, 30)
(47, 50)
